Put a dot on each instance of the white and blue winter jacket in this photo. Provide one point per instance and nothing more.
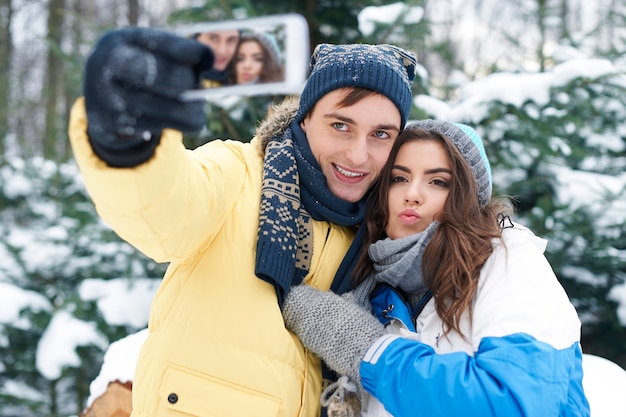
(521, 355)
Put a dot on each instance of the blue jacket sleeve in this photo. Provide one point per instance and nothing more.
(509, 376)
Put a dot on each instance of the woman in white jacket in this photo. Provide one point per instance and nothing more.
(470, 318)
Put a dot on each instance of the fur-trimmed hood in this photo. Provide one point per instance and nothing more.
(276, 122)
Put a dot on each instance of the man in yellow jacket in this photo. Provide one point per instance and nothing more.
(239, 223)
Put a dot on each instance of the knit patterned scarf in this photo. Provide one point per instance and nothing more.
(294, 191)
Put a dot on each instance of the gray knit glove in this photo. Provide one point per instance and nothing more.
(338, 331)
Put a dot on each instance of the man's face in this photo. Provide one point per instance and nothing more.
(223, 44)
(351, 144)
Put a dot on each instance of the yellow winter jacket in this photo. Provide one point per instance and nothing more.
(218, 345)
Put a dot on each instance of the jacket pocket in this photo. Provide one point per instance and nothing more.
(192, 393)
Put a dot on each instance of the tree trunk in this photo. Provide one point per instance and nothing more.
(72, 84)
(53, 89)
(564, 14)
(6, 53)
(541, 26)
(133, 12)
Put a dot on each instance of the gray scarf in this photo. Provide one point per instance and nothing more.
(397, 262)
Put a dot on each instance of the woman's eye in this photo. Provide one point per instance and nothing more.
(398, 178)
(441, 183)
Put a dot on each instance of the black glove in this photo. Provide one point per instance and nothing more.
(336, 329)
(133, 80)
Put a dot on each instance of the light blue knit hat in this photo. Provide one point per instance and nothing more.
(471, 147)
(268, 41)
(386, 69)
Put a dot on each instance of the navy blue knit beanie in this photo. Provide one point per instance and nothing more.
(386, 69)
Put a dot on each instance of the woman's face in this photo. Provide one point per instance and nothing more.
(248, 62)
(419, 186)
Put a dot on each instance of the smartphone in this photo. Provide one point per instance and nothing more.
(286, 36)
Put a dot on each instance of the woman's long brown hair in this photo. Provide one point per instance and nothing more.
(462, 243)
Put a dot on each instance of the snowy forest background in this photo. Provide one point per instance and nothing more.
(543, 82)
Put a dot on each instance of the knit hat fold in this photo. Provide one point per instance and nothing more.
(386, 69)
(471, 147)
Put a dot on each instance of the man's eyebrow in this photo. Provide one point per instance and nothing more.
(388, 127)
(339, 116)
(349, 120)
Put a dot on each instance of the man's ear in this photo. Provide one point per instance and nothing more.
(303, 124)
